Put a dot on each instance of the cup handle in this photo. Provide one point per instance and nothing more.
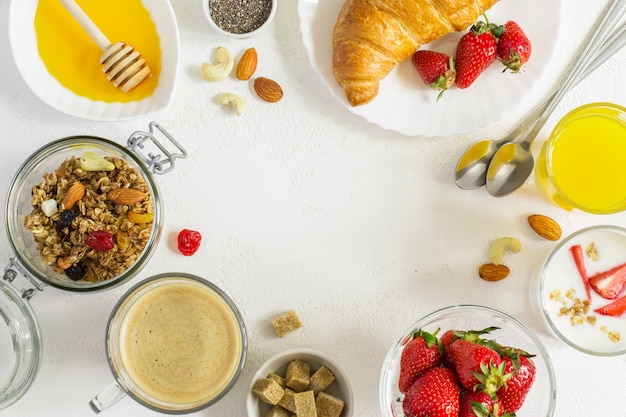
(106, 398)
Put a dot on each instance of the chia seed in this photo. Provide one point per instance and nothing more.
(239, 16)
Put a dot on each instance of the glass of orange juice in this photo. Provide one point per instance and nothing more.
(582, 165)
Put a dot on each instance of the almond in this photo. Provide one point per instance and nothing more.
(126, 196)
(73, 195)
(247, 64)
(268, 90)
(545, 227)
(491, 272)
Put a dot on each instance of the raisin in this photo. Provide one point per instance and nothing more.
(65, 220)
(100, 240)
(76, 272)
(189, 241)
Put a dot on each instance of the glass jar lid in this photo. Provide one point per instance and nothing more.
(20, 342)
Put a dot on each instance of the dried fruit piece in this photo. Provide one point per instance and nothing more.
(64, 262)
(491, 272)
(219, 71)
(65, 220)
(232, 100)
(189, 241)
(496, 252)
(91, 161)
(545, 227)
(73, 195)
(247, 64)
(76, 272)
(126, 196)
(140, 218)
(100, 240)
(49, 207)
(268, 90)
(122, 239)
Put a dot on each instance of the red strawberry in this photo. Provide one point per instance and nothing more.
(609, 284)
(579, 260)
(474, 53)
(420, 354)
(479, 404)
(435, 68)
(478, 367)
(434, 394)
(449, 336)
(514, 47)
(615, 309)
(512, 394)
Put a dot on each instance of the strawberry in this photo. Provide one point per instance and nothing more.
(475, 51)
(513, 393)
(435, 68)
(609, 284)
(434, 394)
(579, 260)
(479, 404)
(421, 353)
(478, 367)
(614, 309)
(514, 47)
(449, 336)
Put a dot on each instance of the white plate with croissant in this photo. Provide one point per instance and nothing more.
(401, 101)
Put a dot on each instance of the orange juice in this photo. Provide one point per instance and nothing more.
(583, 163)
(73, 58)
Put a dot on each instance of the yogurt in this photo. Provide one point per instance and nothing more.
(566, 308)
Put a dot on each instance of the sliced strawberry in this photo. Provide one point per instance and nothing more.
(579, 260)
(614, 309)
(434, 394)
(609, 284)
(436, 69)
(514, 47)
(420, 353)
(476, 50)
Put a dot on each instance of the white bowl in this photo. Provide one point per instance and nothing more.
(559, 273)
(340, 388)
(218, 29)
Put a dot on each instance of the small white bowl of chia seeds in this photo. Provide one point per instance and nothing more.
(239, 18)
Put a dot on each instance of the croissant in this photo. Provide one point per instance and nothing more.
(371, 37)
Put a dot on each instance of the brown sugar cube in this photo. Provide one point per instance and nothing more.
(268, 391)
(279, 379)
(278, 411)
(288, 402)
(286, 323)
(305, 404)
(328, 405)
(298, 375)
(321, 379)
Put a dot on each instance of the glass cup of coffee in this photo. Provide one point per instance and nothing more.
(175, 343)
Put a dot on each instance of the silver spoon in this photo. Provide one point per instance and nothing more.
(513, 163)
(471, 170)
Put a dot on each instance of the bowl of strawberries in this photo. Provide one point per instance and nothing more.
(467, 361)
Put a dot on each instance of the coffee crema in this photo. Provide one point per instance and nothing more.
(180, 343)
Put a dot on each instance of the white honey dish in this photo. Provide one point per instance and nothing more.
(244, 34)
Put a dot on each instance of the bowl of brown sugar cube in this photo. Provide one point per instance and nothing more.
(301, 382)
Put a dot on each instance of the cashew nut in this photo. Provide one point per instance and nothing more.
(232, 100)
(219, 71)
(496, 252)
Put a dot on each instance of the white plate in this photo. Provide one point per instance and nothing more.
(405, 105)
(24, 48)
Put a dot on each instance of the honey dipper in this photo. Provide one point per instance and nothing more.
(121, 63)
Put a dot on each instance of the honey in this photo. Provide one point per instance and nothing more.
(73, 58)
(583, 163)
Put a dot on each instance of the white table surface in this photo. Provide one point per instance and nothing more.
(304, 205)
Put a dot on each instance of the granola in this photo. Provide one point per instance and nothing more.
(61, 237)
